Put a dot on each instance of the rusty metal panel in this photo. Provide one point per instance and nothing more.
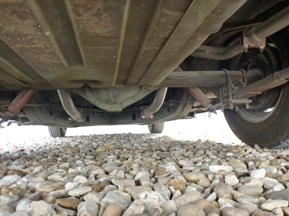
(49, 44)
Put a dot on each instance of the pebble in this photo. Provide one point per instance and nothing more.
(70, 202)
(269, 205)
(113, 209)
(122, 198)
(40, 208)
(230, 211)
(136, 190)
(188, 209)
(258, 173)
(217, 168)
(231, 180)
(129, 174)
(87, 208)
(79, 191)
(250, 190)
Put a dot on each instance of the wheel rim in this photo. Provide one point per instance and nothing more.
(259, 65)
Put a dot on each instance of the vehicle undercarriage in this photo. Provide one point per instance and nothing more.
(70, 63)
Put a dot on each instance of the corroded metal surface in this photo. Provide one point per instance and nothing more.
(49, 44)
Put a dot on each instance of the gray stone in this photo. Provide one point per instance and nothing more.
(137, 207)
(122, 198)
(248, 199)
(136, 190)
(190, 210)
(40, 208)
(223, 190)
(123, 183)
(87, 208)
(188, 197)
(9, 180)
(94, 197)
(230, 211)
(7, 208)
(170, 206)
(111, 166)
(163, 190)
(284, 195)
(269, 205)
(79, 191)
(4, 213)
(20, 213)
(56, 176)
(250, 190)
(7, 199)
(151, 196)
(251, 208)
(23, 205)
(80, 179)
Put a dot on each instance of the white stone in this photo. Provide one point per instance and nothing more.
(231, 180)
(80, 179)
(217, 168)
(258, 173)
(151, 196)
(70, 185)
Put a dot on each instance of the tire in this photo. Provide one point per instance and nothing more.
(57, 131)
(266, 122)
(156, 128)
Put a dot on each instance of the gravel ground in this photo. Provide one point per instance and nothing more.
(197, 167)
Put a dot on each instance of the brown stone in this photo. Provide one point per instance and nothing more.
(99, 187)
(178, 184)
(70, 203)
(262, 213)
(282, 156)
(46, 188)
(49, 198)
(113, 209)
(286, 211)
(161, 172)
(71, 150)
(7, 190)
(17, 172)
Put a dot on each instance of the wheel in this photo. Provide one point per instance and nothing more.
(265, 123)
(57, 131)
(156, 128)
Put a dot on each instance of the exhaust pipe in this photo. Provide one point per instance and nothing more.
(156, 104)
(20, 100)
(200, 96)
(68, 105)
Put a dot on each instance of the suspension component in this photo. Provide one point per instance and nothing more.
(253, 37)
